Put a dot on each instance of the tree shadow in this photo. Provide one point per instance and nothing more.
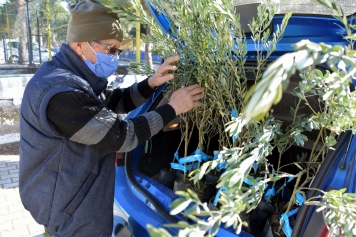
(10, 148)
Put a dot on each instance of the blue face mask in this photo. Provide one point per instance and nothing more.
(105, 66)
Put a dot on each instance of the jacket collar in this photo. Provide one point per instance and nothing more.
(73, 63)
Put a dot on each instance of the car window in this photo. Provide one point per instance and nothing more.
(248, 9)
(43, 49)
(13, 44)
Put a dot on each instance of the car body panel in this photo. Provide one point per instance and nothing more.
(132, 207)
(337, 172)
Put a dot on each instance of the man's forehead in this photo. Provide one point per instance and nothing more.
(111, 42)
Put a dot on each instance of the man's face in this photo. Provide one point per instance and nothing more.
(108, 46)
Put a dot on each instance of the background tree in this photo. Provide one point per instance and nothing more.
(148, 54)
(130, 26)
(21, 26)
(7, 13)
(14, 12)
(59, 17)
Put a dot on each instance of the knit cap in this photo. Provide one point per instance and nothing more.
(89, 21)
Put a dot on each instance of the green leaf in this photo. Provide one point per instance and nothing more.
(252, 180)
(327, 95)
(179, 205)
(179, 224)
(350, 37)
(216, 227)
(191, 210)
(157, 232)
(330, 141)
(296, 164)
(303, 59)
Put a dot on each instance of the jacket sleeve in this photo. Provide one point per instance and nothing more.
(82, 118)
(127, 99)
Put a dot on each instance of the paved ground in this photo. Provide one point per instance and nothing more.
(15, 221)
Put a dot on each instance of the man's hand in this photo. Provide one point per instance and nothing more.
(161, 75)
(186, 98)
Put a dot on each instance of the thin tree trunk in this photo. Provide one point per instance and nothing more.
(148, 54)
(21, 19)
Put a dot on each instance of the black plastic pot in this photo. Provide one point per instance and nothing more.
(258, 218)
(179, 185)
(210, 187)
(212, 206)
(167, 177)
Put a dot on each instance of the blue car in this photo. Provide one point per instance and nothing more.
(140, 199)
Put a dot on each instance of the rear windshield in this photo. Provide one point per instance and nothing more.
(303, 6)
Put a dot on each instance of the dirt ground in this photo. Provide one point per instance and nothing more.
(10, 148)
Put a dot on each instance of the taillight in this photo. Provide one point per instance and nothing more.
(116, 159)
(119, 159)
(325, 232)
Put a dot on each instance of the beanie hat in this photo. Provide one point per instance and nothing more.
(89, 21)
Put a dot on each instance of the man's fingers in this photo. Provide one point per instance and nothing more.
(161, 75)
(166, 65)
(197, 93)
(163, 69)
(166, 78)
(197, 104)
(186, 98)
(195, 89)
(198, 96)
(171, 60)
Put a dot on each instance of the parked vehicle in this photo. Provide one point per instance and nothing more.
(140, 199)
(40, 53)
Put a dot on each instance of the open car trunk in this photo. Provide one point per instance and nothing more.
(145, 165)
(146, 196)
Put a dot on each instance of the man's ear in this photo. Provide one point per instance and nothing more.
(78, 47)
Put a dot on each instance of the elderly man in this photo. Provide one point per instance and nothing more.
(70, 130)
